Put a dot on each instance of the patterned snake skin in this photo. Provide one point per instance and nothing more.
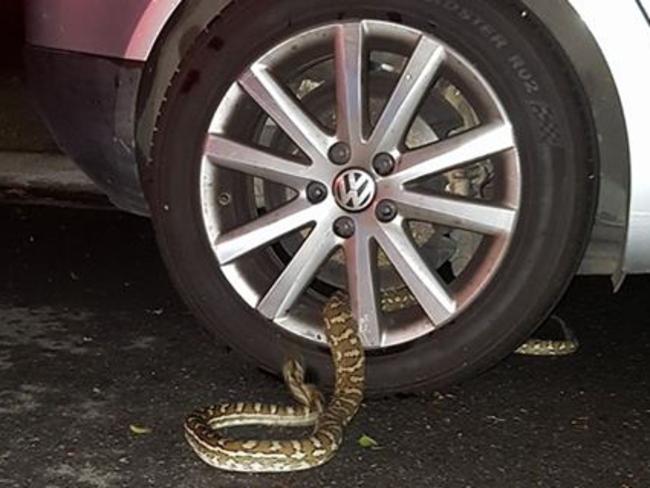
(202, 427)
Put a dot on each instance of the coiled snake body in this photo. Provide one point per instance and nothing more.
(202, 426)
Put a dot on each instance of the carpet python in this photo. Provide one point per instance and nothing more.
(202, 427)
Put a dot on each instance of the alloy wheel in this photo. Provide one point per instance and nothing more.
(371, 185)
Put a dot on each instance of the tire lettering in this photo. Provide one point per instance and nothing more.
(466, 15)
(523, 73)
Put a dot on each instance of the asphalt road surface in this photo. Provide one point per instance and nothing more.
(94, 340)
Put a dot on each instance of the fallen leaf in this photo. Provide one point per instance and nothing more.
(367, 442)
(139, 429)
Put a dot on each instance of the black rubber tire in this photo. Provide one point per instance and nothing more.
(559, 181)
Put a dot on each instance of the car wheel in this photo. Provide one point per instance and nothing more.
(430, 153)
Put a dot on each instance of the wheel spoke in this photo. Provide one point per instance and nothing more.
(263, 231)
(475, 216)
(450, 153)
(428, 289)
(299, 273)
(402, 106)
(286, 111)
(226, 153)
(350, 65)
(361, 259)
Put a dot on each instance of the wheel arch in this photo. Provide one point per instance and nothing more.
(183, 22)
(576, 36)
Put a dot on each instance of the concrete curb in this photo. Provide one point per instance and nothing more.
(47, 179)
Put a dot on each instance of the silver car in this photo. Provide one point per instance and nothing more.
(449, 164)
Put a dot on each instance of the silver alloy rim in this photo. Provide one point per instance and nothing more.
(286, 299)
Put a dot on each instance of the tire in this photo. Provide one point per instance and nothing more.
(558, 184)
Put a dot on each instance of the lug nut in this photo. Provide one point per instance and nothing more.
(340, 153)
(386, 210)
(316, 192)
(383, 164)
(225, 199)
(344, 227)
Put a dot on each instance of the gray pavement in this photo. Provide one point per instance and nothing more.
(93, 339)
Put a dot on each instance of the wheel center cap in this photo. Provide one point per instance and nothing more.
(354, 190)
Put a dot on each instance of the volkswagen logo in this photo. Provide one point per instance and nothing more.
(354, 190)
